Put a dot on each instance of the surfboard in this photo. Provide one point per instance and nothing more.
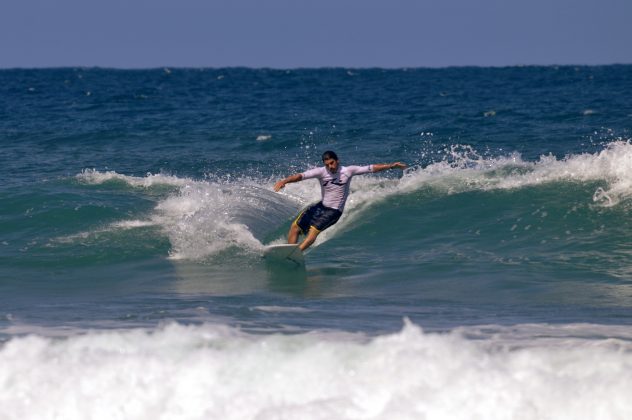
(289, 254)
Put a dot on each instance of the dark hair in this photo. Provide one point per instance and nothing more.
(330, 155)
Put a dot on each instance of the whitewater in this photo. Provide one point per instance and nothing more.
(218, 372)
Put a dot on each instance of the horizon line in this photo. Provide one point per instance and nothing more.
(185, 67)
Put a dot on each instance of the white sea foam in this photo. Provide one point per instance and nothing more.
(179, 372)
(132, 224)
(206, 218)
(122, 225)
(93, 176)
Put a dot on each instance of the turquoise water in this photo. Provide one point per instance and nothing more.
(136, 204)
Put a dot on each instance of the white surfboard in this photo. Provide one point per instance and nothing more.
(289, 254)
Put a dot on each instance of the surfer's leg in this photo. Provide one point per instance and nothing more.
(311, 237)
(301, 224)
(292, 236)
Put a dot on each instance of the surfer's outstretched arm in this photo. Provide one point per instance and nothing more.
(378, 167)
(292, 178)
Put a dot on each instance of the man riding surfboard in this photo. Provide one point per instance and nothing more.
(335, 180)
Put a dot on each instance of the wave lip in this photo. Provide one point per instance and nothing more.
(213, 371)
(95, 177)
(463, 169)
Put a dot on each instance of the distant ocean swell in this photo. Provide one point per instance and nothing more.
(211, 371)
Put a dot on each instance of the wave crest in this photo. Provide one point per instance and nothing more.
(463, 169)
(95, 177)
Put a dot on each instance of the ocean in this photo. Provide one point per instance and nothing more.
(492, 279)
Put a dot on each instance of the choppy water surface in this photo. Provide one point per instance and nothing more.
(493, 278)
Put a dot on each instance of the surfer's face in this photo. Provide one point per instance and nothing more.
(331, 165)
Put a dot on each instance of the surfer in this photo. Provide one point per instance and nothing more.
(334, 186)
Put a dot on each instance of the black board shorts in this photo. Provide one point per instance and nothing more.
(318, 217)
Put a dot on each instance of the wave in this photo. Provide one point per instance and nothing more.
(213, 371)
(604, 177)
(463, 169)
(204, 218)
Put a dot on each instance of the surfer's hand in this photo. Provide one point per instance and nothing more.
(280, 184)
(293, 178)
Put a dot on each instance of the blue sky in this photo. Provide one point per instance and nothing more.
(317, 33)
